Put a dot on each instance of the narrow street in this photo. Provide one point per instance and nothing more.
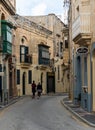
(45, 113)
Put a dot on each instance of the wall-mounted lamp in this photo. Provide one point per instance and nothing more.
(85, 89)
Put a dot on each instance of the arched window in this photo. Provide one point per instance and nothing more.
(24, 40)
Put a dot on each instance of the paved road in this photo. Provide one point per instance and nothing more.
(46, 113)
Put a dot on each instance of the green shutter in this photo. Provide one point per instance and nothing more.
(18, 76)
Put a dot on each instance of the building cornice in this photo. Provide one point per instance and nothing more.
(22, 22)
(8, 6)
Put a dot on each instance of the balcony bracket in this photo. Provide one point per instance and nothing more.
(83, 39)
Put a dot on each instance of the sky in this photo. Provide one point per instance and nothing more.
(40, 7)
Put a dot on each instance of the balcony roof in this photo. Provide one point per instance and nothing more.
(41, 44)
(83, 39)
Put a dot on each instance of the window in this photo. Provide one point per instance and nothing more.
(44, 57)
(22, 53)
(0, 67)
(18, 76)
(0, 83)
(26, 55)
(66, 43)
(6, 34)
(58, 72)
(9, 34)
(61, 46)
(22, 50)
(24, 58)
(3, 35)
(29, 76)
(45, 54)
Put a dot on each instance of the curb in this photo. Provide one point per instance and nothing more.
(77, 115)
(12, 102)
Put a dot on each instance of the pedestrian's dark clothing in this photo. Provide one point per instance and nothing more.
(33, 89)
(39, 89)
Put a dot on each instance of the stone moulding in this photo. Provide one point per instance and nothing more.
(9, 6)
(24, 22)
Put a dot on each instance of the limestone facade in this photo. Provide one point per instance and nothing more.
(7, 68)
(83, 38)
(33, 35)
(35, 50)
(60, 48)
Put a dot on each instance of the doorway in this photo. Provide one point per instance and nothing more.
(10, 85)
(78, 75)
(0, 88)
(93, 80)
(50, 82)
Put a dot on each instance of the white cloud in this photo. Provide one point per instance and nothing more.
(39, 9)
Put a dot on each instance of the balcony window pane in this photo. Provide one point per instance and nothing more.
(45, 54)
(22, 50)
(22, 58)
(9, 37)
(58, 73)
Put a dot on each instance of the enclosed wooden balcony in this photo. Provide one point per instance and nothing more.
(6, 37)
(81, 30)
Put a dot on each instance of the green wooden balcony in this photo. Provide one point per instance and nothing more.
(6, 35)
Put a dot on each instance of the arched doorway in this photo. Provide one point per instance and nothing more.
(93, 80)
(23, 83)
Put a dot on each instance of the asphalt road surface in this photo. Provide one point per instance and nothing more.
(46, 113)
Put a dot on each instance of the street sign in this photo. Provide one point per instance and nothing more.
(82, 50)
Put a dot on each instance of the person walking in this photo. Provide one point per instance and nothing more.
(39, 89)
(33, 89)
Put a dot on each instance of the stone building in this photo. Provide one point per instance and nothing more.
(60, 48)
(83, 37)
(7, 60)
(66, 58)
(34, 45)
(31, 48)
